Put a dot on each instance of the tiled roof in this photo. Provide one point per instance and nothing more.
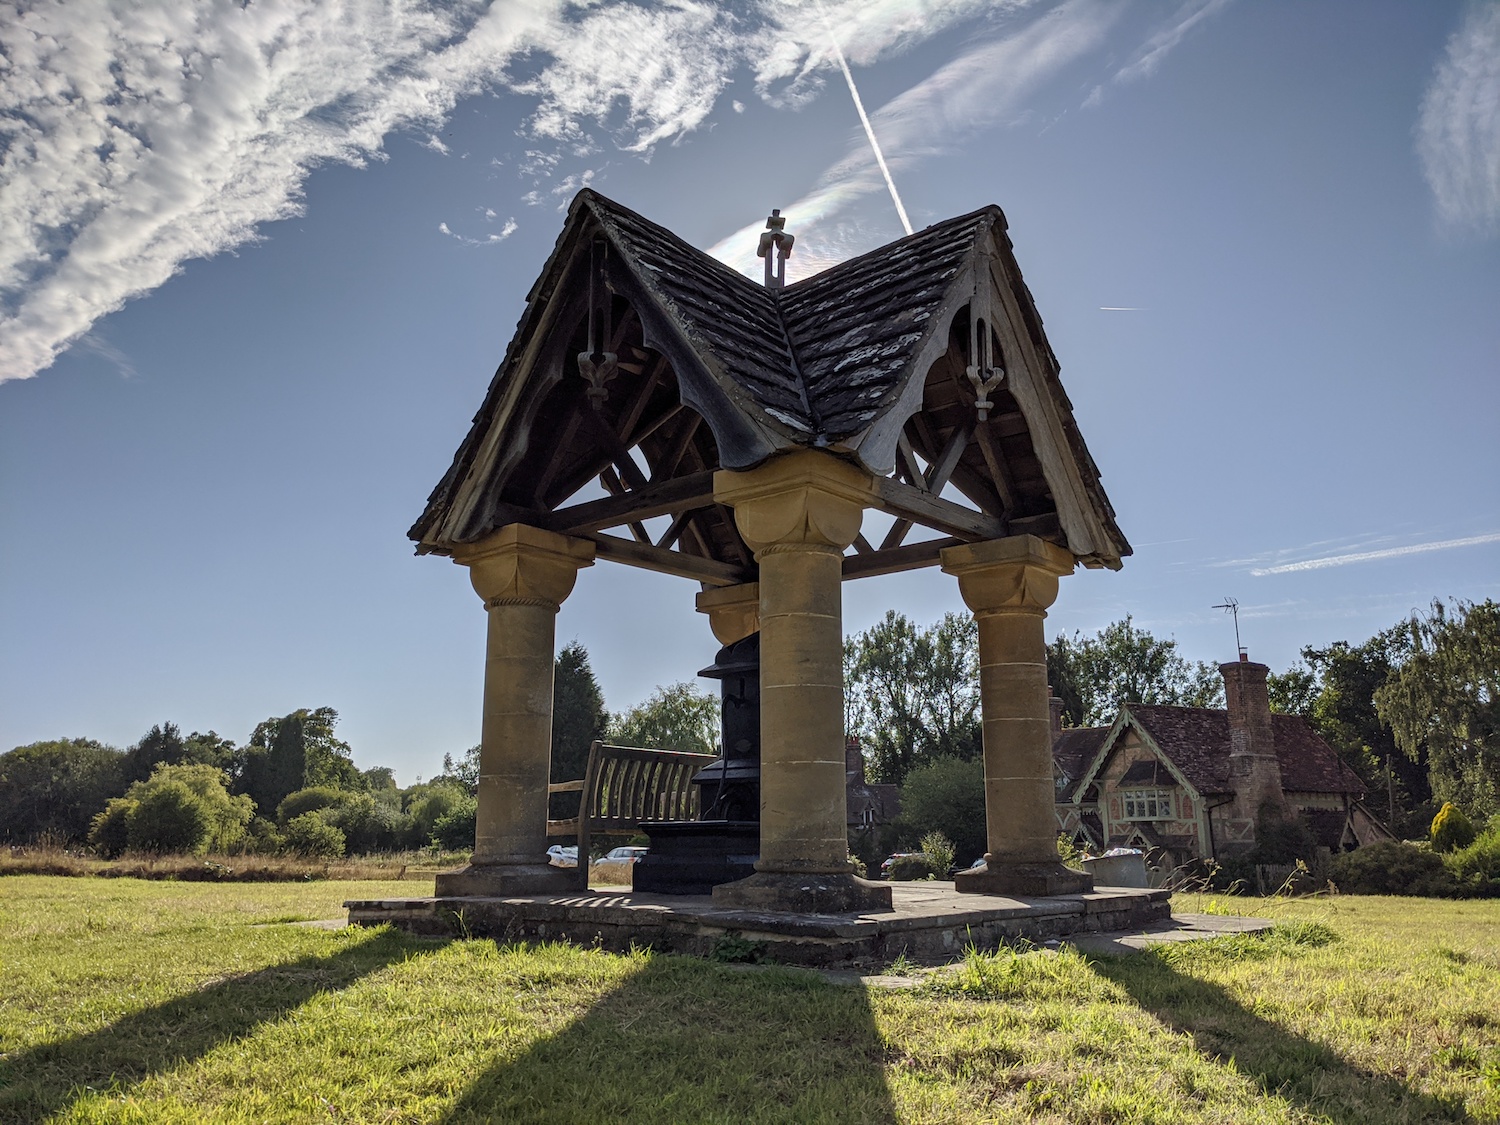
(1072, 752)
(1196, 740)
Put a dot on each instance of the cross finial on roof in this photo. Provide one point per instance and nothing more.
(775, 235)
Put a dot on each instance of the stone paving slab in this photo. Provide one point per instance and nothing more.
(1179, 927)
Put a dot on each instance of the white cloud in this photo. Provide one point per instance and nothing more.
(1458, 132)
(134, 138)
(1371, 556)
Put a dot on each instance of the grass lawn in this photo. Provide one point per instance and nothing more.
(123, 1000)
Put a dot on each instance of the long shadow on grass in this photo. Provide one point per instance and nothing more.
(43, 1080)
(688, 1040)
(1285, 1064)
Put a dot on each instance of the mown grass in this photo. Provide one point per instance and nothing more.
(129, 1001)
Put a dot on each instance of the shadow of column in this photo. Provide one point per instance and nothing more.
(1283, 1063)
(684, 1041)
(39, 1082)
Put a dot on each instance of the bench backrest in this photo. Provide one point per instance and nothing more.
(624, 786)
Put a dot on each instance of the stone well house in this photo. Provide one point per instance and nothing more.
(1191, 783)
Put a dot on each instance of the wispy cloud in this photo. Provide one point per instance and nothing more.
(1458, 132)
(1371, 556)
(981, 87)
(1148, 59)
(136, 138)
(510, 228)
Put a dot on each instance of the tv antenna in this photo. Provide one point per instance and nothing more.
(1229, 605)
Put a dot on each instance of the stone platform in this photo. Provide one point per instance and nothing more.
(931, 923)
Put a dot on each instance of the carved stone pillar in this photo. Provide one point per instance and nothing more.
(733, 611)
(1009, 583)
(798, 513)
(523, 574)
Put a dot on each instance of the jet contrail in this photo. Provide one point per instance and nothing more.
(1367, 556)
(864, 120)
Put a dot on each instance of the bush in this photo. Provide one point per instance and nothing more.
(1451, 830)
(1392, 868)
(939, 852)
(313, 799)
(108, 833)
(168, 817)
(429, 808)
(1476, 868)
(311, 836)
(948, 797)
(909, 868)
(454, 830)
(1283, 841)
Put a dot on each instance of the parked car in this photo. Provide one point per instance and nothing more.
(621, 857)
(559, 856)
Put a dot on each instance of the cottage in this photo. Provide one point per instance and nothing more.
(1194, 783)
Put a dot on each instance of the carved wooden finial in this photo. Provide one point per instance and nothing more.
(775, 235)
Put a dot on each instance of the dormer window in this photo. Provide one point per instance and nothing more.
(1148, 804)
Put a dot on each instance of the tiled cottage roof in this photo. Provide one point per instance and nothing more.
(1196, 740)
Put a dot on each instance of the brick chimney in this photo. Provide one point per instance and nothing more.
(1056, 705)
(1254, 771)
(854, 762)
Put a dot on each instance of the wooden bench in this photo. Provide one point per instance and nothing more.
(624, 787)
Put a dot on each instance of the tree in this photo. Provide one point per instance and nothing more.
(294, 752)
(1344, 714)
(678, 717)
(1125, 664)
(164, 744)
(1446, 698)
(912, 694)
(54, 788)
(1295, 691)
(578, 714)
(946, 796)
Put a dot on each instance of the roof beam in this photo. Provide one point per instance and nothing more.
(680, 494)
(904, 501)
(649, 557)
(896, 559)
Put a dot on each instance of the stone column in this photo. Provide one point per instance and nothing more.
(523, 574)
(733, 611)
(798, 512)
(1009, 583)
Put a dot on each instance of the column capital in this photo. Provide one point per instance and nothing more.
(522, 565)
(733, 611)
(807, 498)
(1016, 574)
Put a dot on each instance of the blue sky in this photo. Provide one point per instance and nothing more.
(258, 265)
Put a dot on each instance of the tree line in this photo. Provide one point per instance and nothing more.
(1412, 709)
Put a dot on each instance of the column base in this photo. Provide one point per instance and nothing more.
(502, 880)
(804, 893)
(1029, 880)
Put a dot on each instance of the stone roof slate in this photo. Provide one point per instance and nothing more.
(1072, 752)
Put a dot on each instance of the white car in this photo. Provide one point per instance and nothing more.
(620, 858)
(559, 856)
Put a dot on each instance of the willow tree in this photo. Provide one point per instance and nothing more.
(1446, 698)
